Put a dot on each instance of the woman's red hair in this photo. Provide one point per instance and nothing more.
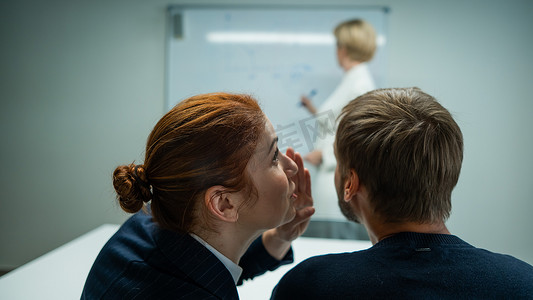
(205, 140)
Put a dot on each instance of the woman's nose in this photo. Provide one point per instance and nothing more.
(289, 166)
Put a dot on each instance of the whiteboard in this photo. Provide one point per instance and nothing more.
(274, 53)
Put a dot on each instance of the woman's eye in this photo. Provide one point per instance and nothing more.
(276, 154)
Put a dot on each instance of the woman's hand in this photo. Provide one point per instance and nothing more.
(303, 203)
(278, 240)
(314, 157)
(306, 102)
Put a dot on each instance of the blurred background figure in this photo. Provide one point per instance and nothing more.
(356, 45)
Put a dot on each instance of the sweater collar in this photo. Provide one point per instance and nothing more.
(420, 239)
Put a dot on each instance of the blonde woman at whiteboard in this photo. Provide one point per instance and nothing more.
(356, 44)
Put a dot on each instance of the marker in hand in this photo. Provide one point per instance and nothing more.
(311, 95)
(306, 102)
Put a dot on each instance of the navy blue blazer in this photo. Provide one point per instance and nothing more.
(143, 261)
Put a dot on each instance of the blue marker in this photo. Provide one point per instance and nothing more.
(310, 96)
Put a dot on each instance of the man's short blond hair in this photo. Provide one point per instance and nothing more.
(407, 151)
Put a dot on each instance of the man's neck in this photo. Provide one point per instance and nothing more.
(380, 230)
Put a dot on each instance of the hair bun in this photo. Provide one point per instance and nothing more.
(132, 188)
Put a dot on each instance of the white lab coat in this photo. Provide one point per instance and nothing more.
(355, 82)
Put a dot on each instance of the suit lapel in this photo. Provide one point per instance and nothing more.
(198, 263)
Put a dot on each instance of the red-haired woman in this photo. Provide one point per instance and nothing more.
(216, 203)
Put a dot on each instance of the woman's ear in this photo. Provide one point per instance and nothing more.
(221, 203)
(351, 186)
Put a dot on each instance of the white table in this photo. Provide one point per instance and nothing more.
(61, 273)
(261, 286)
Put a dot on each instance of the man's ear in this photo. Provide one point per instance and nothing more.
(221, 203)
(351, 186)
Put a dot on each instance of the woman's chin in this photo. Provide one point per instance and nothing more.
(291, 214)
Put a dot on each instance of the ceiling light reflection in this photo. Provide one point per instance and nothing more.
(270, 38)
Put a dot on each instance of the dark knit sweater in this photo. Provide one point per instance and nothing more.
(410, 266)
